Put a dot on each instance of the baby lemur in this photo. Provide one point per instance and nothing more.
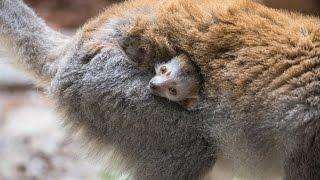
(177, 80)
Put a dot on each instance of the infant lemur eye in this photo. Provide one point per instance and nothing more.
(163, 69)
(173, 91)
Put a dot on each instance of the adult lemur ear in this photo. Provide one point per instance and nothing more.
(29, 42)
(189, 103)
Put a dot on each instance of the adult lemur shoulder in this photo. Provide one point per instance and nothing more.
(260, 70)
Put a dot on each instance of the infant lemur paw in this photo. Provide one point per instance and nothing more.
(136, 52)
(145, 52)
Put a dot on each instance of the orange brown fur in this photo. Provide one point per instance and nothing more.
(242, 48)
(247, 48)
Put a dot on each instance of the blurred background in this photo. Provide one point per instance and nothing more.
(32, 143)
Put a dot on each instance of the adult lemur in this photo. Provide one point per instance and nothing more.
(260, 67)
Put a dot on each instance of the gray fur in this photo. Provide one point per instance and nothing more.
(108, 100)
(29, 40)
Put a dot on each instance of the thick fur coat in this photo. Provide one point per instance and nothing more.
(259, 110)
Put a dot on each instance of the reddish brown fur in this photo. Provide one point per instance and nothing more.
(241, 47)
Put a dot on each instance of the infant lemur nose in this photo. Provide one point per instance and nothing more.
(153, 86)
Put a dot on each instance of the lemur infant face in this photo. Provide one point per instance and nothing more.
(177, 80)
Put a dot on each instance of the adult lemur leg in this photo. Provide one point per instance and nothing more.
(28, 40)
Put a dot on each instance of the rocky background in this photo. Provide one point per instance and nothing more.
(33, 144)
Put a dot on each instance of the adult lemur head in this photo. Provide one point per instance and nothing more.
(260, 72)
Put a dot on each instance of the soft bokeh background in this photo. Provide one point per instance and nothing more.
(33, 145)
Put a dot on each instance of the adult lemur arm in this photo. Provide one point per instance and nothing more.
(29, 41)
